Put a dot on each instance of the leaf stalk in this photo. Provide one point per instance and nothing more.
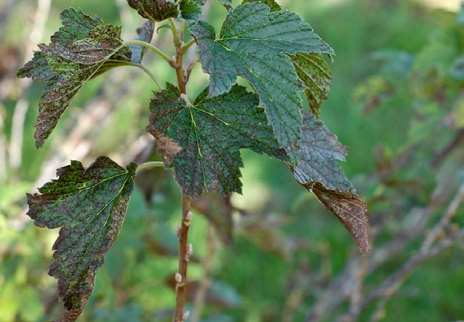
(149, 46)
(148, 72)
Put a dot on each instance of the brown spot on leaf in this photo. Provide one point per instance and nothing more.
(167, 147)
(349, 209)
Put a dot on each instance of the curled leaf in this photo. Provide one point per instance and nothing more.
(82, 49)
(315, 74)
(349, 209)
(155, 10)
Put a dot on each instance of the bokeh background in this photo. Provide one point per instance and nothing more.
(397, 101)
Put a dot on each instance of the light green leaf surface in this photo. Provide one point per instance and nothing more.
(316, 75)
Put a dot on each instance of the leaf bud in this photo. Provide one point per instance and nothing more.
(186, 315)
(178, 278)
(188, 218)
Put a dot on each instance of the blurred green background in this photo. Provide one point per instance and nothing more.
(397, 101)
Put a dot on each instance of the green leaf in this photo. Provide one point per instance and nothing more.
(226, 4)
(318, 171)
(82, 49)
(202, 141)
(155, 10)
(274, 6)
(90, 206)
(315, 74)
(190, 10)
(319, 150)
(252, 43)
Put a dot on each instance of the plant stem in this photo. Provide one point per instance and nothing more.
(178, 35)
(184, 256)
(149, 46)
(149, 73)
(185, 47)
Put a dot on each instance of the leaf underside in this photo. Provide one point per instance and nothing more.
(253, 43)
(202, 141)
(82, 49)
(315, 74)
(90, 206)
(159, 10)
(318, 171)
(155, 10)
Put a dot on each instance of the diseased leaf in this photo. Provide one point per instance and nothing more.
(90, 206)
(155, 10)
(210, 134)
(349, 209)
(318, 171)
(82, 49)
(315, 74)
(319, 150)
(252, 43)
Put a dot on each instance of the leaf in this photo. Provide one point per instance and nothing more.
(319, 173)
(210, 134)
(90, 206)
(315, 74)
(319, 150)
(82, 49)
(226, 4)
(252, 43)
(145, 34)
(274, 6)
(155, 10)
(190, 10)
(349, 209)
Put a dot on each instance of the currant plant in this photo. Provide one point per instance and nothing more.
(199, 139)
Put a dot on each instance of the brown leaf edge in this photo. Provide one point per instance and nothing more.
(350, 210)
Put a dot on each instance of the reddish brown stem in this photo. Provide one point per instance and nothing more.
(184, 255)
(180, 73)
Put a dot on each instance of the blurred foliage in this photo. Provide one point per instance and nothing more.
(396, 100)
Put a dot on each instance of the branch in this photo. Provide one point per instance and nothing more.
(426, 251)
(443, 154)
(185, 250)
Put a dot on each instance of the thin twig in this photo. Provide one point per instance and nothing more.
(395, 280)
(445, 220)
(184, 256)
(452, 145)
